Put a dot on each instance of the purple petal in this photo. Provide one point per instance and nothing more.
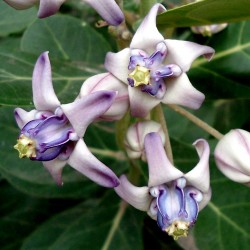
(117, 64)
(141, 103)
(191, 205)
(183, 53)
(108, 10)
(48, 154)
(55, 169)
(85, 110)
(22, 117)
(21, 4)
(180, 91)
(147, 35)
(137, 197)
(86, 163)
(49, 7)
(199, 176)
(44, 97)
(160, 168)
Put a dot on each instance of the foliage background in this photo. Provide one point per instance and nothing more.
(36, 214)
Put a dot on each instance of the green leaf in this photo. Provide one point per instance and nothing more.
(13, 21)
(66, 38)
(205, 12)
(106, 225)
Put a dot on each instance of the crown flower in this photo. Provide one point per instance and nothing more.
(171, 197)
(52, 133)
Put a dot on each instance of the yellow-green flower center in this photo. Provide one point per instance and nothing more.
(26, 147)
(178, 229)
(140, 75)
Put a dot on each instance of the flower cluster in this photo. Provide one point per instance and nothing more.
(152, 70)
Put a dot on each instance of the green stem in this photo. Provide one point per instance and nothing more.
(145, 6)
(197, 121)
(158, 116)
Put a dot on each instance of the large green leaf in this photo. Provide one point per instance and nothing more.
(13, 21)
(205, 12)
(66, 38)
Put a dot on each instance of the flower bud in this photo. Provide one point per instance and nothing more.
(232, 156)
(136, 133)
(106, 81)
(208, 30)
(21, 4)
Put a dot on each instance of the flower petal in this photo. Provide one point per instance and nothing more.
(117, 64)
(147, 35)
(141, 103)
(107, 81)
(183, 53)
(206, 198)
(85, 110)
(137, 197)
(21, 4)
(199, 176)
(181, 91)
(22, 117)
(44, 96)
(160, 168)
(49, 7)
(55, 169)
(108, 10)
(86, 163)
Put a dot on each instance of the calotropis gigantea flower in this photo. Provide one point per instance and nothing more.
(107, 9)
(52, 133)
(232, 156)
(107, 81)
(209, 30)
(171, 197)
(134, 140)
(155, 69)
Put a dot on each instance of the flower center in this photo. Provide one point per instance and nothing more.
(178, 229)
(140, 76)
(26, 147)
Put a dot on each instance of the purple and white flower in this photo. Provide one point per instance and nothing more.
(52, 133)
(107, 9)
(171, 197)
(209, 30)
(155, 69)
(232, 156)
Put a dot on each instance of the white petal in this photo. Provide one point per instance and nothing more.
(86, 163)
(44, 96)
(138, 197)
(183, 53)
(49, 7)
(22, 116)
(199, 176)
(160, 168)
(147, 35)
(206, 198)
(55, 169)
(180, 91)
(107, 81)
(117, 64)
(21, 4)
(141, 103)
(108, 10)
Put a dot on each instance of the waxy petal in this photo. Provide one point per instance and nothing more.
(199, 176)
(183, 53)
(160, 168)
(22, 117)
(44, 96)
(108, 10)
(49, 7)
(180, 91)
(137, 197)
(21, 4)
(147, 35)
(206, 198)
(117, 64)
(85, 110)
(86, 163)
(141, 103)
(107, 81)
(55, 169)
